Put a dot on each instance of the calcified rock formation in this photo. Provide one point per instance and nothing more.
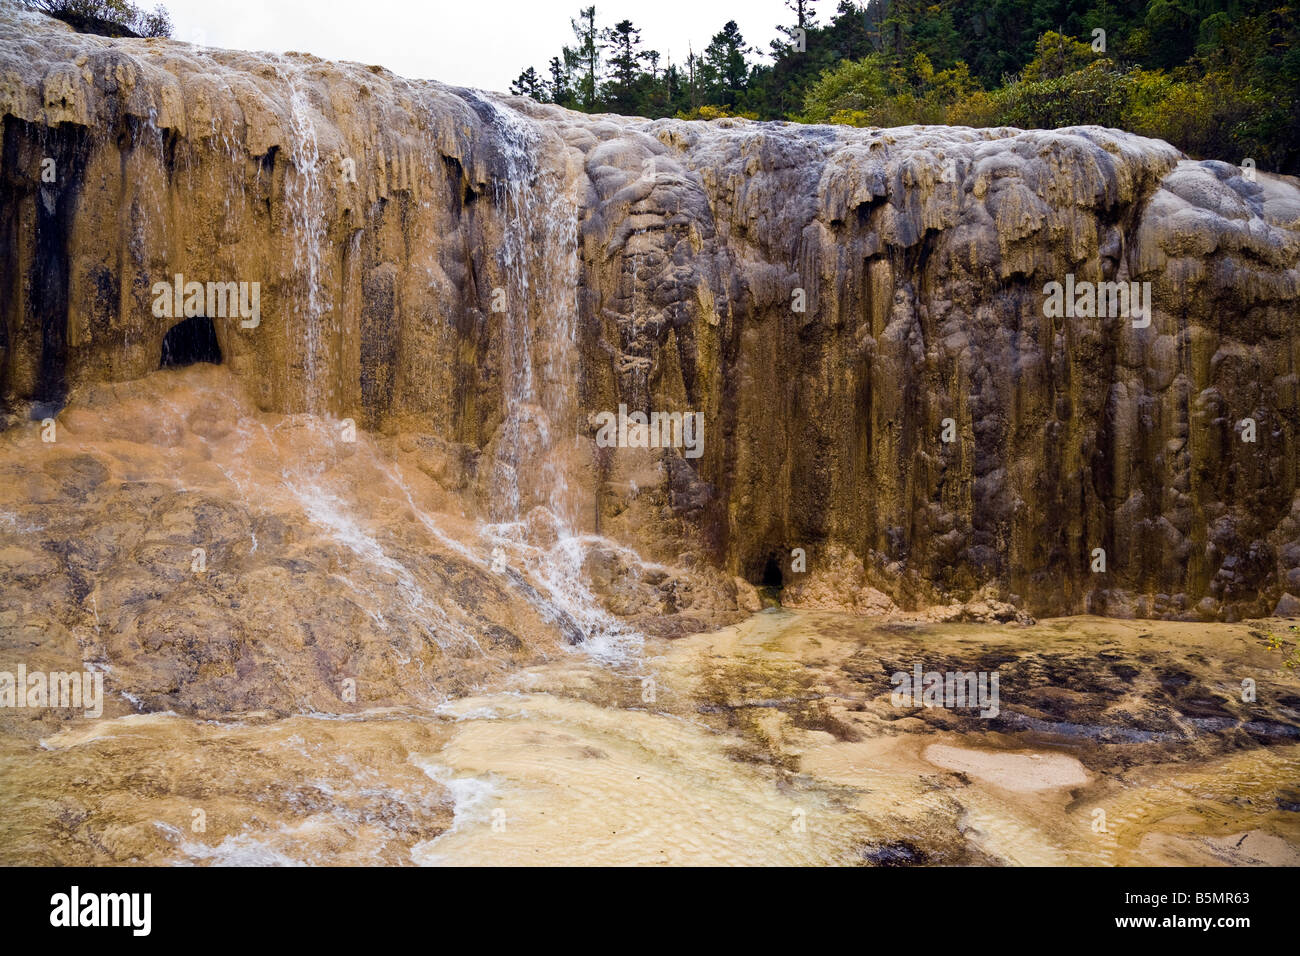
(490, 273)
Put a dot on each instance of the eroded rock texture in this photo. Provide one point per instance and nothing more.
(492, 273)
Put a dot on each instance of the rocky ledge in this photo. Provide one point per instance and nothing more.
(893, 392)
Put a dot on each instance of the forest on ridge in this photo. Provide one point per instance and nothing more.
(1216, 78)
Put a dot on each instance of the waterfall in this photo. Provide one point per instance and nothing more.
(514, 197)
(539, 262)
(305, 198)
(534, 517)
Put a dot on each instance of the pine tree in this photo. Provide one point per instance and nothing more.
(585, 57)
(796, 34)
(623, 39)
(725, 67)
(560, 86)
(528, 83)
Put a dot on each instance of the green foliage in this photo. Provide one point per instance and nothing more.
(707, 112)
(1056, 55)
(1205, 116)
(871, 92)
(623, 90)
(725, 69)
(1217, 78)
(528, 83)
(1290, 654)
(855, 86)
(1096, 94)
(583, 60)
(114, 18)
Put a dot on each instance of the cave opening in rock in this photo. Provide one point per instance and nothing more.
(189, 341)
(772, 576)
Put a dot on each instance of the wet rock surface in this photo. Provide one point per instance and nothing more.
(1091, 715)
(831, 300)
(371, 579)
(211, 560)
(772, 741)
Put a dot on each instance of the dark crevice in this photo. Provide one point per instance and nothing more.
(55, 202)
(772, 576)
(189, 341)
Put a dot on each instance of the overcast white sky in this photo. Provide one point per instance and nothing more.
(481, 43)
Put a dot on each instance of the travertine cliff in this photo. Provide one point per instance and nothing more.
(487, 274)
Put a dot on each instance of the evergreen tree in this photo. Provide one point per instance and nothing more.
(560, 84)
(1216, 78)
(583, 60)
(528, 83)
(726, 71)
(804, 20)
(621, 92)
(674, 89)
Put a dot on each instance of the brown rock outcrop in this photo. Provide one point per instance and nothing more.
(489, 273)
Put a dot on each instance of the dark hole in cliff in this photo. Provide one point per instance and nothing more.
(189, 341)
(772, 576)
(267, 160)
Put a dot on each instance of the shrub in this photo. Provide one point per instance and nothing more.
(111, 18)
(1203, 116)
(979, 109)
(707, 112)
(853, 87)
(1056, 55)
(1096, 95)
(870, 92)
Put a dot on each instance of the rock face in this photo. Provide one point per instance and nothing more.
(213, 559)
(490, 274)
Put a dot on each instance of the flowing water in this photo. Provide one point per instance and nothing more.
(535, 508)
(770, 742)
(305, 200)
(502, 713)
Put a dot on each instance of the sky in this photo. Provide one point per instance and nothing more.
(479, 43)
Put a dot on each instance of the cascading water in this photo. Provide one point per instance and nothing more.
(532, 535)
(305, 198)
(324, 504)
(533, 511)
(312, 639)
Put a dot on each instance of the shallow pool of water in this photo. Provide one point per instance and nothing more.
(776, 741)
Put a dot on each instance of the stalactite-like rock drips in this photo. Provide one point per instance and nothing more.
(832, 300)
